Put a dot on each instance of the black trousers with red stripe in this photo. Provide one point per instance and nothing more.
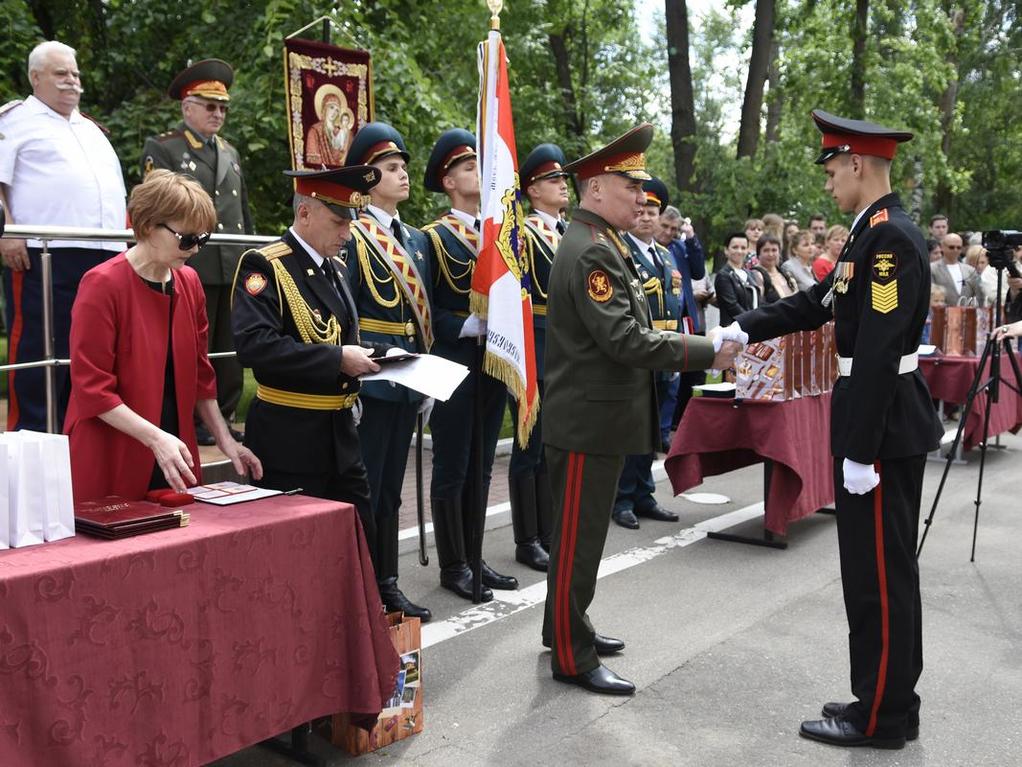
(584, 486)
(877, 538)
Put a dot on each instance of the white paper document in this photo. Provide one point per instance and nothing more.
(434, 376)
(229, 493)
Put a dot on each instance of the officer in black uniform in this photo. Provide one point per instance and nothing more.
(545, 184)
(662, 285)
(882, 425)
(296, 326)
(390, 282)
(196, 148)
(452, 247)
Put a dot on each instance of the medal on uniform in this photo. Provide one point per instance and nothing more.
(843, 273)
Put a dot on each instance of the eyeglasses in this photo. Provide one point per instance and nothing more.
(188, 241)
(210, 106)
(952, 247)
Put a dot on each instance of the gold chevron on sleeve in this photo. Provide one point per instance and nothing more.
(885, 297)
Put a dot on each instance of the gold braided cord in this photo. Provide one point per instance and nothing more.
(442, 257)
(370, 278)
(311, 328)
(533, 245)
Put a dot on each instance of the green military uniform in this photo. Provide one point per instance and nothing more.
(216, 165)
(599, 406)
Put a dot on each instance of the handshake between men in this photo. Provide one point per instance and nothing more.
(726, 346)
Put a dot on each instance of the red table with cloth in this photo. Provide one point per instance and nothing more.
(179, 647)
(949, 379)
(716, 436)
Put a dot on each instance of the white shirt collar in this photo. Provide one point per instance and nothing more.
(37, 106)
(467, 218)
(383, 216)
(643, 246)
(549, 220)
(308, 248)
(857, 217)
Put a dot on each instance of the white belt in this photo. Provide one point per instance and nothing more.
(907, 364)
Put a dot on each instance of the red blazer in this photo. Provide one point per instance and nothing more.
(119, 333)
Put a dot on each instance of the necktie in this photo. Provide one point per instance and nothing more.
(475, 225)
(331, 275)
(560, 227)
(395, 227)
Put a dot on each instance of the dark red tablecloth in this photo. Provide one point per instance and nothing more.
(178, 647)
(950, 378)
(719, 435)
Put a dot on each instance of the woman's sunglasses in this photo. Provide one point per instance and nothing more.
(188, 241)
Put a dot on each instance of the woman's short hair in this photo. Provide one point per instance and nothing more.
(768, 239)
(973, 254)
(167, 196)
(837, 231)
(751, 222)
(801, 234)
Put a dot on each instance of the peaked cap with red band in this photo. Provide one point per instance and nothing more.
(545, 161)
(344, 190)
(376, 141)
(656, 193)
(856, 136)
(452, 147)
(624, 155)
(209, 79)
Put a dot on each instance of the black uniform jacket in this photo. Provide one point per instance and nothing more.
(601, 347)
(265, 315)
(875, 412)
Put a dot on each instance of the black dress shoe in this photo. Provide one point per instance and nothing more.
(459, 580)
(839, 709)
(603, 645)
(495, 580)
(202, 435)
(658, 513)
(394, 600)
(626, 518)
(838, 731)
(532, 555)
(601, 679)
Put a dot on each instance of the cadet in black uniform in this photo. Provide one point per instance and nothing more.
(295, 325)
(389, 279)
(452, 247)
(545, 184)
(882, 425)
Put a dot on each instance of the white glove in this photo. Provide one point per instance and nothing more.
(732, 332)
(473, 327)
(356, 411)
(425, 408)
(860, 478)
(394, 351)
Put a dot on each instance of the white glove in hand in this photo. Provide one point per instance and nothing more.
(860, 478)
(733, 332)
(426, 408)
(356, 411)
(394, 351)
(473, 327)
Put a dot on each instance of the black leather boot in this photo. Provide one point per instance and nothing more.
(395, 601)
(522, 491)
(544, 508)
(448, 533)
(386, 572)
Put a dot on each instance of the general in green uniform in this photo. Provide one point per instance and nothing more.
(599, 406)
(196, 149)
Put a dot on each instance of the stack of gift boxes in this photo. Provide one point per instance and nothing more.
(802, 364)
(960, 330)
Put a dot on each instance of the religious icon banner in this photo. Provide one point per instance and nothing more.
(329, 94)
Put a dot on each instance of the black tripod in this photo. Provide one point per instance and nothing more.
(992, 386)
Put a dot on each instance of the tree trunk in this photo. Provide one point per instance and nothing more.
(858, 94)
(776, 98)
(942, 198)
(683, 112)
(562, 65)
(752, 105)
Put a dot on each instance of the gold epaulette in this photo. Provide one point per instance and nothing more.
(274, 250)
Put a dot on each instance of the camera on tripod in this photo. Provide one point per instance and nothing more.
(999, 244)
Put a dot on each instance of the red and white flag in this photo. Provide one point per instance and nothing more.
(501, 281)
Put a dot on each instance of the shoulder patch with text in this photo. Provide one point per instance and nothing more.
(885, 264)
(255, 283)
(598, 284)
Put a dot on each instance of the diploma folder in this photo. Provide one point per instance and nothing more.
(114, 517)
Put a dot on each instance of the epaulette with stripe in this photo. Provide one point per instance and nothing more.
(9, 106)
(274, 250)
(878, 218)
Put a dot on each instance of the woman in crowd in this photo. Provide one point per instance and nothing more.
(834, 243)
(773, 283)
(753, 230)
(138, 354)
(736, 290)
(934, 251)
(799, 265)
(791, 228)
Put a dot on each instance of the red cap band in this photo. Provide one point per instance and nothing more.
(875, 146)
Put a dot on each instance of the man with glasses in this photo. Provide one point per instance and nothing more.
(57, 168)
(196, 149)
(958, 279)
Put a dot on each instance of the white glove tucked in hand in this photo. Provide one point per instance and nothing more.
(860, 478)
(732, 332)
(473, 327)
(426, 408)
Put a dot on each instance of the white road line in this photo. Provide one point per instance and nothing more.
(507, 603)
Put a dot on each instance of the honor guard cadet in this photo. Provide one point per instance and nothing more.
(296, 326)
(882, 426)
(662, 285)
(389, 279)
(545, 184)
(599, 405)
(452, 247)
(196, 149)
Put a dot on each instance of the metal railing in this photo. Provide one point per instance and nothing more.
(48, 234)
